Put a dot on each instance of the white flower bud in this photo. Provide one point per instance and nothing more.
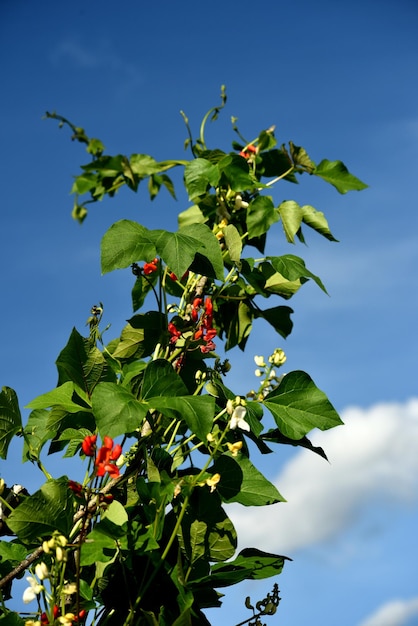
(41, 570)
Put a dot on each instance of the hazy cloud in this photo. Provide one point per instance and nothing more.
(394, 613)
(98, 55)
(373, 459)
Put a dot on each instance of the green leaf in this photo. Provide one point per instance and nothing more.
(216, 542)
(116, 410)
(233, 243)
(99, 547)
(48, 509)
(242, 482)
(300, 157)
(11, 619)
(200, 174)
(298, 406)
(291, 215)
(61, 396)
(160, 379)
(250, 564)
(336, 173)
(316, 220)
(261, 214)
(36, 433)
(177, 249)
(236, 172)
(210, 249)
(275, 163)
(82, 363)
(140, 336)
(197, 411)
(10, 419)
(14, 552)
(276, 436)
(275, 282)
(192, 215)
(143, 165)
(206, 531)
(279, 318)
(126, 242)
(293, 268)
(236, 316)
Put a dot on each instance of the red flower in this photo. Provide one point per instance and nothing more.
(174, 332)
(75, 487)
(209, 307)
(210, 334)
(89, 445)
(248, 151)
(106, 456)
(208, 347)
(149, 268)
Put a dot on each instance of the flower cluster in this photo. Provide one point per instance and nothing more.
(106, 456)
(150, 268)
(205, 330)
(58, 543)
(236, 409)
(204, 324)
(271, 379)
(248, 151)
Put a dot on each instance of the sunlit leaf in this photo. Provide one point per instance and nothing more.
(116, 410)
(336, 173)
(196, 411)
(298, 406)
(250, 564)
(126, 242)
(233, 243)
(291, 215)
(177, 249)
(242, 482)
(160, 379)
(200, 174)
(261, 214)
(61, 396)
(210, 250)
(293, 268)
(316, 220)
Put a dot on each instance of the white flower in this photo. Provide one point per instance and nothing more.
(240, 203)
(278, 357)
(31, 592)
(237, 419)
(230, 407)
(41, 571)
(259, 361)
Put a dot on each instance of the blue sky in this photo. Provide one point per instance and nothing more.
(341, 79)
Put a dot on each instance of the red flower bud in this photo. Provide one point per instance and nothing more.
(208, 306)
(89, 445)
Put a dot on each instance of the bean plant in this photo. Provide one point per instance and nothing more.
(142, 535)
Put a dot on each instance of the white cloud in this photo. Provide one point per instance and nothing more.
(394, 613)
(373, 460)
